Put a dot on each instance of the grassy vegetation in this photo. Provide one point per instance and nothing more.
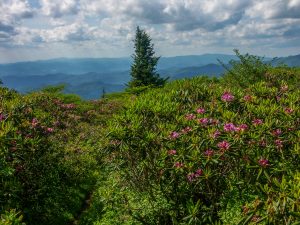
(198, 151)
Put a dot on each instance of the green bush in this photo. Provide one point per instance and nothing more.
(205, 152)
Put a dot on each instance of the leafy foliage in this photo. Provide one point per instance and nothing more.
(208, 151)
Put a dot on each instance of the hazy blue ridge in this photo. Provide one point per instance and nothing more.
(87, 77)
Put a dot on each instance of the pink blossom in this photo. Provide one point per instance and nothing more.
(263, 162)
(174, 135)
(288, 110)
(229, 127)
(50, 130)
(223, 145)
(277, 132)
(178, 165)
(263, 143)
(227, 97)
(200, 111)
(68, 106)
(190, 116)
(186, 130)
(257, 122)
(248, 98)
(278, 143)
(209, 153)
(198, 173)
(203, 121)
(190, 177)
(34, 122)
(172, 152)
(216, 134)
(242, 127)
(1, 117)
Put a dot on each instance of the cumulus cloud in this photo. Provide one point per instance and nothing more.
(173, 24)
(59, 8)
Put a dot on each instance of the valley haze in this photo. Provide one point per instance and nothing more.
(88, 77)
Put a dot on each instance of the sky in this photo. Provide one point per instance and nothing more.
(44, 29)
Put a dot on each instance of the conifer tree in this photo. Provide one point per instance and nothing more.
(143, 68)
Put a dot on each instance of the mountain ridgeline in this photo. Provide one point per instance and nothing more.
(87, 77)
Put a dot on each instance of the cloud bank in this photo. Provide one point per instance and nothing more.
(176, 26)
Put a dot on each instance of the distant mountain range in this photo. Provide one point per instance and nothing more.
(89, 76)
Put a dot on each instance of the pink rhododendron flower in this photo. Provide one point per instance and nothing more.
(200, 111)
(223, 145)
(242, 127)
(229, 127)
(190, 177)
(172, 152)
(186, 130)
(278, 143)
(174, 135)
(277, 132)
(216, 134)
(198, 173)
(190, 116)
(203, 121)
(34, 122)
(209, 153)
(288, 110)
(248, 98)
(178, 165)
(227, 97)
(257, 122)
(263, 143)
(50, 130)
(263, 162)
(1, 117)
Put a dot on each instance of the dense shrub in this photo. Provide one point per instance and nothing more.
(47, 156)
(202, 151)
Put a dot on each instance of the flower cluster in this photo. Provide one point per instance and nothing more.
(227, 97)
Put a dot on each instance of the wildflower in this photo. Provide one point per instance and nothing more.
(263, 162)
(248, 98)
(198, 173)
(255, 218)
(227, 97)
(278, 143)
(34, 122)
(276, 132)
(200, 111)
(288, 110)
(216, 134)
(190, 116)
(190, 177)
(223, 145)
(203, 121)
(50, 130)
(178, 165)
(257, 122)
(242, 127)
(172, 152)
(263, 143)
(229, 127)
(186, 130)
(1, 117)
(174, 135)
(209, 153)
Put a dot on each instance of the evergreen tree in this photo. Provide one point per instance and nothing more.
(143, 69)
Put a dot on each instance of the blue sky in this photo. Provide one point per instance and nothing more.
(42, 29)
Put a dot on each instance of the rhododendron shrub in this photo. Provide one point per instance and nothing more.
(240, 152)
(41, 175)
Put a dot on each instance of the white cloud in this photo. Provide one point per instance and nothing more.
(175, 25)
(59, 8)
